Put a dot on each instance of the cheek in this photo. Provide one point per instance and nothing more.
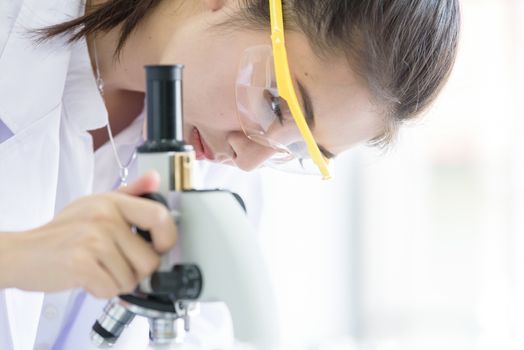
(212, 103)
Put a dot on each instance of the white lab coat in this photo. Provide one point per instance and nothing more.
(48, 101)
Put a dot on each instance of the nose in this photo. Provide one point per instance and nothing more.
(249, 155)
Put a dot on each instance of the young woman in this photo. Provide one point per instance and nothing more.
(68, 70)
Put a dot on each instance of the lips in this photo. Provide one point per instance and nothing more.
(202, 149)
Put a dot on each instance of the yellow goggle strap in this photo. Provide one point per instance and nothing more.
(286, 88)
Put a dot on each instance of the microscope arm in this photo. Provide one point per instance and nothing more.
(216, 236)
(218, 259)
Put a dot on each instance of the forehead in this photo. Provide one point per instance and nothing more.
(343, 108)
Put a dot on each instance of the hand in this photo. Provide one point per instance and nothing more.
(90, 244)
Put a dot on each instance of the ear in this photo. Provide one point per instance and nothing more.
(215, 5)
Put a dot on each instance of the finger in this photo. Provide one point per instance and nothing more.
(147, 183)
(140, 255)
(100, 283)
(150, 216)
(118, 266)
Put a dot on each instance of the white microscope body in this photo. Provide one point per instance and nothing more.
(217, 257)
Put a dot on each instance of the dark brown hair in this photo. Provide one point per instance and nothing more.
(404, 49)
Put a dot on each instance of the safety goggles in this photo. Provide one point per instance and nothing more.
(268, 107)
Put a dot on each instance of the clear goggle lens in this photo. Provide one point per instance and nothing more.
(265, 117)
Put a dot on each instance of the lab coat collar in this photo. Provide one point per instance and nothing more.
(24, 61)
(81, 93)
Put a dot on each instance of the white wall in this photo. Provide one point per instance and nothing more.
(422, 248)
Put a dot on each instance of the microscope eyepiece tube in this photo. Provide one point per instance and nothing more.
(165, 149)
(164, 109)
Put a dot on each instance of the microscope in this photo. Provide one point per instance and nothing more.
(216, 257)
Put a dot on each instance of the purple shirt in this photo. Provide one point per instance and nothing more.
(5, 133)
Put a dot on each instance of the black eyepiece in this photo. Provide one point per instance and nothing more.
(164, 109)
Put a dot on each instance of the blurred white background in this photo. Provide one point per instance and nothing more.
(421, 248)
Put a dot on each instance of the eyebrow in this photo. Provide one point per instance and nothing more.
(310, 116)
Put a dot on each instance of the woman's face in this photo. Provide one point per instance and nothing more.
(341, 103)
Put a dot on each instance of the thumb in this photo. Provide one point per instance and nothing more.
(147, 183)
